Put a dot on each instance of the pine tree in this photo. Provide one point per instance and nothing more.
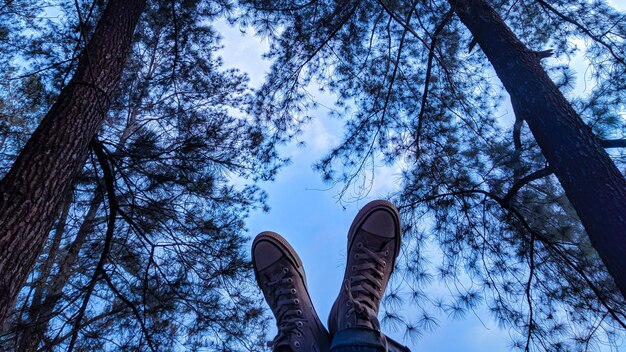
(413, 90)
(175, 269)
(48, 163)
(593, 184)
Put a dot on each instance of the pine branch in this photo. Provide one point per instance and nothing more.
(397, 64)
(522, 220)
(176, 46)
(343, 20)
(130, 305)
(401, 22)
(582, 28)
(517, 135)
(613, 143)
(6, 4)
(58, 339)
(429, 65)
(109, 181)
(524, 181)
(528, 296)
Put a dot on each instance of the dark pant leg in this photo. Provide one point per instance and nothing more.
(364, 340)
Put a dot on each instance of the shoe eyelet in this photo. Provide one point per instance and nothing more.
(386, 253)
(285, 270)
(293, 291)
(297, 344)
(359, 245)
(354, 268)
(347, 314)
(296, 301)
(356, 256)
(384, 264)
(348, 303)
(348, 325)
(299, 312)
(300, 324)
(289, 280)
(298, 334)
(351, 279)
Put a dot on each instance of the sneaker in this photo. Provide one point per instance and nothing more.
(280, 275)
(373, 245)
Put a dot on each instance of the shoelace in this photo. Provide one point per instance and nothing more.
(365, 284)
(289, 313)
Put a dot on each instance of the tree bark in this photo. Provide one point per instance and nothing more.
(31, 191)
(42, 308)
(593, 184)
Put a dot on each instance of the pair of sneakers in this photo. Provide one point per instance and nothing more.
(373, 245)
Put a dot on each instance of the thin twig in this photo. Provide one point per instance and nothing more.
(582, 28)
(429, 65)
(130, 305)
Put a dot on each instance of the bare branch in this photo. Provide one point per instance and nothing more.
(109, 181)
(429, 65)
(528, 296)
(613, 143)
(397, 63)
(524, 181)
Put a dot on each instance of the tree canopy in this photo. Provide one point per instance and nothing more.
(145, 246)
(174, 166)
(417, 92)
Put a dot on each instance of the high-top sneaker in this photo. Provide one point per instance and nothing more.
(373, 245)
(280, 275)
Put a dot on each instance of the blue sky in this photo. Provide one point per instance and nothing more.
(308, 214)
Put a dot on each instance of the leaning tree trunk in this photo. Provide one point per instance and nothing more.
(31, 191)
(593, 184)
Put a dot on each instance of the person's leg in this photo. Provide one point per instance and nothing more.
(373, 245)
(280, 275)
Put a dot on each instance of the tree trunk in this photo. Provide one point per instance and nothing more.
(46, 266)
(41, 310)
(31, 191)
(593, 184)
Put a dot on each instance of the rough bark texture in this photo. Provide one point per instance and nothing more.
(593, 184)
(31, 191)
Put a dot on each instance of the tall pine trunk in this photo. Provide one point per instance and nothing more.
(31, 191)
(592, 182)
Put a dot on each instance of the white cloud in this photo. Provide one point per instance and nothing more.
(318, 138)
